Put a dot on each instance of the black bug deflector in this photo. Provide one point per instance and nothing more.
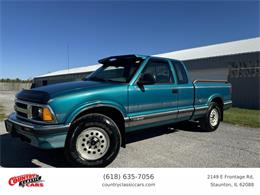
(35, 96)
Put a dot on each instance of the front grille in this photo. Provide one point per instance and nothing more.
(21, 105)
(24, 115)
(22, 109)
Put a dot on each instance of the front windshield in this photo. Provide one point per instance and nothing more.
(118, 71)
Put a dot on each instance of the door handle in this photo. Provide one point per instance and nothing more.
(175, 90)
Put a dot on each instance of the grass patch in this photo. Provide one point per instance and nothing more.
(2, 113)
(243, 117)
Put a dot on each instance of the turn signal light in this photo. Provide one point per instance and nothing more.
(46, 115)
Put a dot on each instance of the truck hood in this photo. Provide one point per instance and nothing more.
(45, 93)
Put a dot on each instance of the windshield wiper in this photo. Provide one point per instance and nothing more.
(113, 81)
(103, 80)
(96, 79)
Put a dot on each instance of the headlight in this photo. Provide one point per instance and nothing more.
(42, 114)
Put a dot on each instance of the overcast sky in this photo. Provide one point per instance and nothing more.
(35, 35)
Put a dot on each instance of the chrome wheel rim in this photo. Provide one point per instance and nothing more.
(92, 143)
(214, 117)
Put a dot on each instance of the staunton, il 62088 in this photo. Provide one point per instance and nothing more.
(90, 118)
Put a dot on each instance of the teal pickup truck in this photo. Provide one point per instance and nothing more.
(90, 118)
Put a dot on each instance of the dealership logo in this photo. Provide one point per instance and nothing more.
(28, 180)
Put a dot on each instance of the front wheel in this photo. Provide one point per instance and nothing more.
(212, 118)
(93, 141)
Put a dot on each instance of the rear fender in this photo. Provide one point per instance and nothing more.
(217, 95)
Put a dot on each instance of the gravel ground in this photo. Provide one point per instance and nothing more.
(182, 145)
(7, 100)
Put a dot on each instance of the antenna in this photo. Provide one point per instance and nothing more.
(68, 56)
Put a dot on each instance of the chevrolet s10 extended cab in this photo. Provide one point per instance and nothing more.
(131, 92)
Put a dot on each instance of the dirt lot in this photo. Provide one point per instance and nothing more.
(169, 146)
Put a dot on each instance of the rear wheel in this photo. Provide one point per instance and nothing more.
(212, 118)
(93, 141)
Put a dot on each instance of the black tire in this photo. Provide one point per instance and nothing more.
(205, 122)
(100, 122)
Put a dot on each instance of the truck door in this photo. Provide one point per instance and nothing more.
(157, 102)
(185, 91)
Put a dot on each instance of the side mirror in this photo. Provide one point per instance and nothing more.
(147, 79)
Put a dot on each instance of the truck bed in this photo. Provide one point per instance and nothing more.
(207, 90)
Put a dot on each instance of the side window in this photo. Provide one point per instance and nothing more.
(160, 69)
(180, 72)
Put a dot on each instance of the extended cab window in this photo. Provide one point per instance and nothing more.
(180, 72)
(160, 69)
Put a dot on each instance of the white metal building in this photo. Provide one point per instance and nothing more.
(235, 61)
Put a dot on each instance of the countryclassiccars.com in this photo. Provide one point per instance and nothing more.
(90, 118)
